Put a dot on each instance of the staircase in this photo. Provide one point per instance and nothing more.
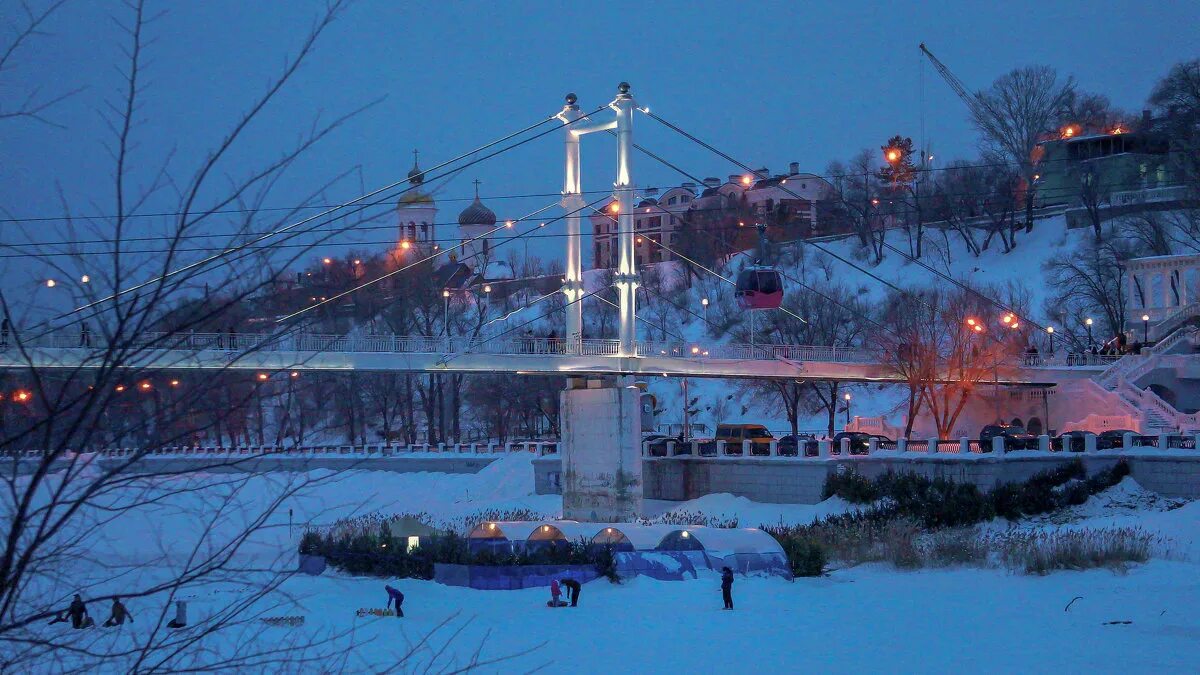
(1157, 415)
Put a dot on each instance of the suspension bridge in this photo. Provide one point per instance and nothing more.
(601, 433)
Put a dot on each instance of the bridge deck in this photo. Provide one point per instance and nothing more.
(534, 356)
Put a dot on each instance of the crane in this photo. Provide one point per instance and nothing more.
(975, 103)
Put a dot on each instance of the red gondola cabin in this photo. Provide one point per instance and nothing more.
(759, 288)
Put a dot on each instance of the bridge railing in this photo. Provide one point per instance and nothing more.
(516, 345)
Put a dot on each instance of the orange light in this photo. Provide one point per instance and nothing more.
(22, 396)
(745, 180)
(741, 224)
(262, 377)
(639, 240)
(295, 374)
(357, 262)
(695, 350)
(174, 383)
(970, 322)
(508, 224)
(1007, 318)
(120, 387)
(1016, 325)
(1118, 130)
(50, 283)
(1068, 131)
(874, 202)
(145, 386)
(328, 260)
(1037, 176)
(405, 245)
(614, 207)
(978, 328)
(893, 155)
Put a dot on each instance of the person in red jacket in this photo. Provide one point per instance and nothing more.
(555, 594)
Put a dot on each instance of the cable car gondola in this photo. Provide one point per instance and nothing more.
(759, 288)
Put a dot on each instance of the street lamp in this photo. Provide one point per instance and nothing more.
(1145, 328)
(84, 279)
(1088, 322)
(704, 302)
(847, 407)
(1050, 336)
(446, 311)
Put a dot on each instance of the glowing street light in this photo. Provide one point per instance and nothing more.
(84, 279)
(1050, 338)
(704, 303)
(1088, 322)
(745, 180)
(50, 283)
(144, 386)
(22, 396)
(405, 245)
(1145, 328)
(295, 374)
(847, 407)
(262, 377)
(174, 383)
(328, 261)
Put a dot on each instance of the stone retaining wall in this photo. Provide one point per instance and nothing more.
(801, 481)
(284, 463)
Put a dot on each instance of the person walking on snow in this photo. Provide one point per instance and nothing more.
(119, 614)
(727, 586)
(397, 597)
(572, 590)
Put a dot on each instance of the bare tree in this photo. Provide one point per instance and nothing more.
(1177, 100)
(1015, 114)
(62, 506)
(944, 344)
(1090, 283)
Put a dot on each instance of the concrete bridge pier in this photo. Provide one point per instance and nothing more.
(601, 450)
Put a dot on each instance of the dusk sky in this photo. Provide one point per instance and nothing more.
(769, 82)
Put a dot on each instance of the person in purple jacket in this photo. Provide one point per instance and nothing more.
(397, 597)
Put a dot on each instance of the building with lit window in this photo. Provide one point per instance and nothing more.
(724, 211)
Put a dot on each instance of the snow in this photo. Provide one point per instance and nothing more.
(724, 506)
(869, 618)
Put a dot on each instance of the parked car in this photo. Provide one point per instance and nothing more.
(860, 441)
(1015, 437)
(733, 435)
(658, 444)
(790, 445)
(1113, 438)
(1073, 441)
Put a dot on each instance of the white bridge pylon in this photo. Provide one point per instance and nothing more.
(626, 278)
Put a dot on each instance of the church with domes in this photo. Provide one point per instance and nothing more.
(417, 212)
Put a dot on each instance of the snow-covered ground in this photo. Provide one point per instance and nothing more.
(870, 618)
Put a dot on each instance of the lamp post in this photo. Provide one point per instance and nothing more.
(1088, 322)
(1145, 328)
(1050, 338)
(446, 312)
(487, 291)
(704, 303)
(847, 407)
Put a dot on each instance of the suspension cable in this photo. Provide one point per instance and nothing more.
(822, 248)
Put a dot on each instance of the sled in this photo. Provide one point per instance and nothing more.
(556, 603)
(374, 611)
